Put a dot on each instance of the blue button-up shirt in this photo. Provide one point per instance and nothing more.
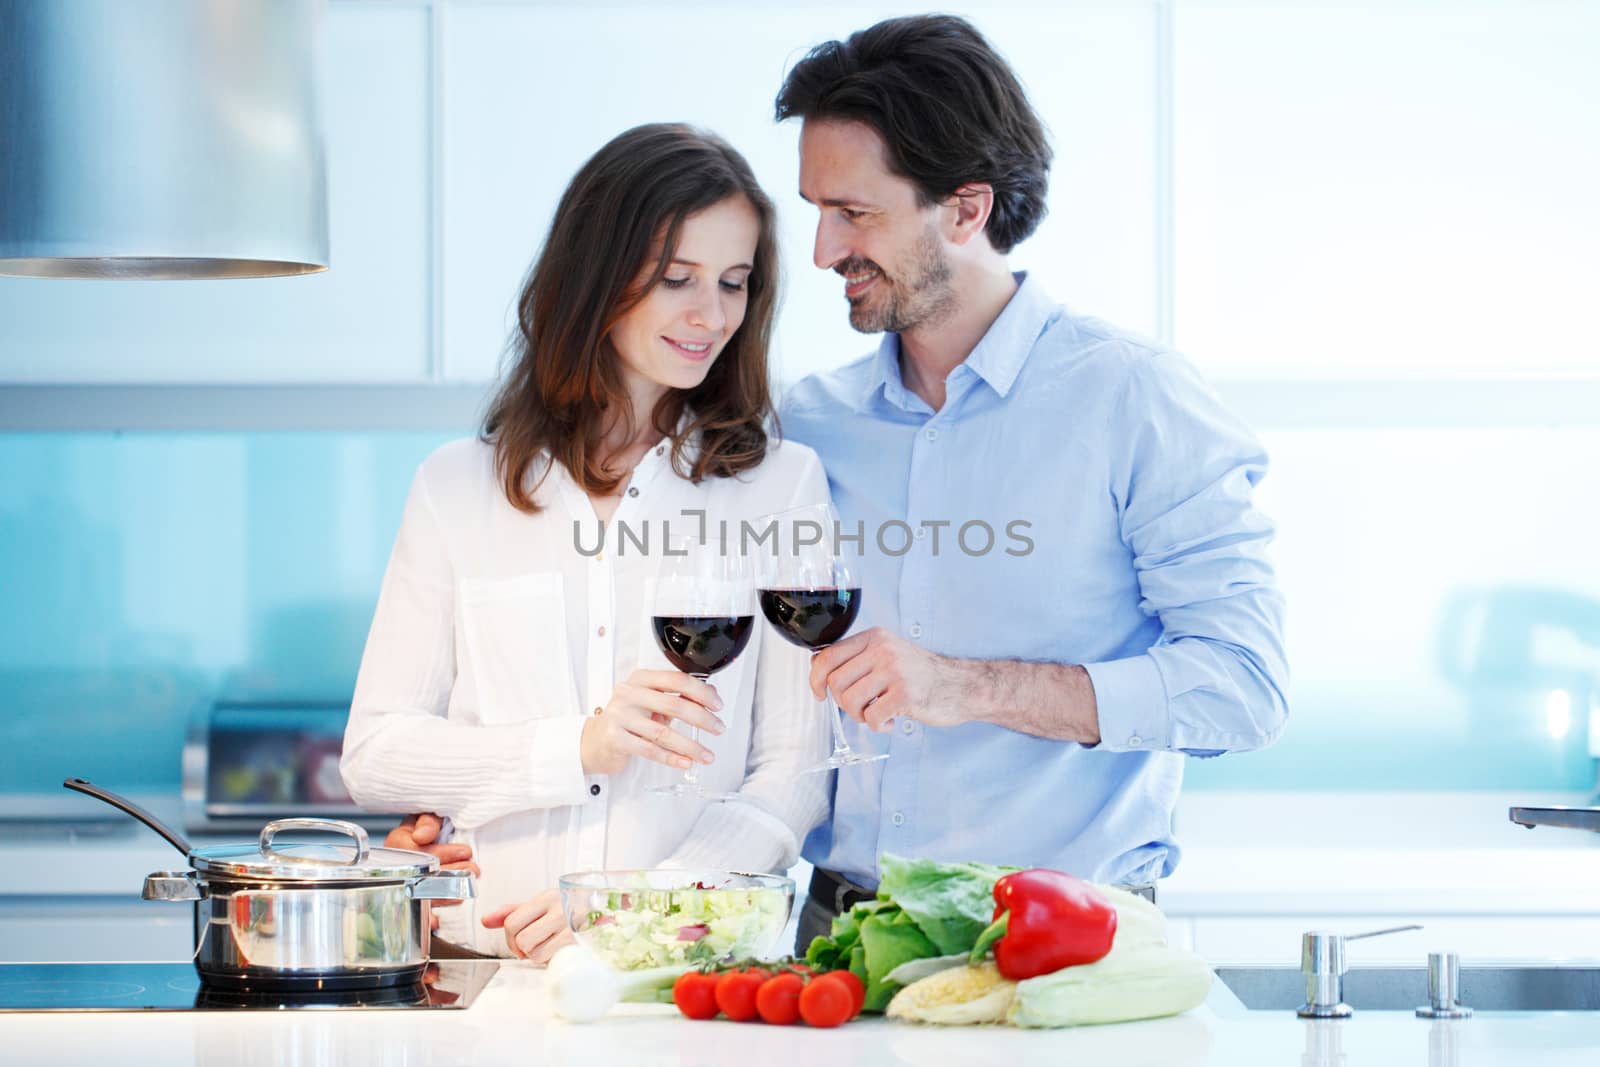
(1082, 497)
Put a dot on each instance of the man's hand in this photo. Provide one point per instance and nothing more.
(876, 676)
(420, 833)
(535, 929)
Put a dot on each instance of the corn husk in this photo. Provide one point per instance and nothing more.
(959, 996)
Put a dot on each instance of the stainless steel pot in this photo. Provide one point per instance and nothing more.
(333, 915)
(301, 916)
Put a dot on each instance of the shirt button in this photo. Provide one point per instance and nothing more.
(932, 434)
(594, 790)
(601, 631)
(898, 819)
(908, 727)
(922, 532)
(916, 630)
(1135, 740)
(633, 490)
(661, 451)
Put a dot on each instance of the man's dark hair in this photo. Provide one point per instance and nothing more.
(949, 109)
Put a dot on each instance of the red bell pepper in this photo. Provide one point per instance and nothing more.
(1044, 921)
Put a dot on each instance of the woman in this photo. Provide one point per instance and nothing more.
(510, 681)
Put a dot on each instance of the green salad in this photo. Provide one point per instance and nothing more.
(644, 928)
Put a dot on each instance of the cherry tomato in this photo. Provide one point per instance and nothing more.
(858, 990)
(736, 994)
(778, 998)
(695, 994)
(826, 1001)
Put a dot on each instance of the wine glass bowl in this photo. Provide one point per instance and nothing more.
(811, 596)
(702, 617)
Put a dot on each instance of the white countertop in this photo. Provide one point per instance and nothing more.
(510, 1023)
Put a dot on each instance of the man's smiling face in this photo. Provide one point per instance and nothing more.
(872, 230)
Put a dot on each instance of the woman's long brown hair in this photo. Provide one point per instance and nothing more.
(564, 388)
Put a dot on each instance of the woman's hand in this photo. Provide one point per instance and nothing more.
(535, 929)
(420, 833)
(638, 722)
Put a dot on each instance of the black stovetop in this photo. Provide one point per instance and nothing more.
(176, 987)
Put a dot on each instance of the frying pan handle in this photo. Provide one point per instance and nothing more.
(175, 839)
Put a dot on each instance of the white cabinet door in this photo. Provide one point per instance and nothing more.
(365, 319)
(94, 929)
(1400, 190)
(1276, 939)
(532, 90)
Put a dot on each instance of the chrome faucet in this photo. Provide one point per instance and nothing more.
(1568, 818)
(1322, 961)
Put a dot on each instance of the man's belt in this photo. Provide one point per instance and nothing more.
(835, 893)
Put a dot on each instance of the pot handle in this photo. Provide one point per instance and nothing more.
(442, 885)
(337, 826)
(172, 885)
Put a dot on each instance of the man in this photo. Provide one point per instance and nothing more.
(1065, 586)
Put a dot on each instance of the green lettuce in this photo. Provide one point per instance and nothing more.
(952, 903)
(924, 909)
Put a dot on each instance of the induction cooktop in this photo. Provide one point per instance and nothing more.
(176, 987)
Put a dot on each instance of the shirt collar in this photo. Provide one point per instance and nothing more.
(998, 357)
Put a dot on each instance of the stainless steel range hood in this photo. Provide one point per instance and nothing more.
(160, 139)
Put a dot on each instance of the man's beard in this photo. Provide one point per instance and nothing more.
(925, 298)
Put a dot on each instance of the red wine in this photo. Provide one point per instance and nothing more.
(811, 618)
(702, 644)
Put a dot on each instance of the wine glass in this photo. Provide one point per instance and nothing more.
(701, 617)
(811, 596)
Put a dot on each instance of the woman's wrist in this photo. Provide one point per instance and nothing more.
(588, 740)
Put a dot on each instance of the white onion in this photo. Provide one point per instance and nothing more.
(583, 987)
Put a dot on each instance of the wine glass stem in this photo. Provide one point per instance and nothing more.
(691, 774)
(841, 747)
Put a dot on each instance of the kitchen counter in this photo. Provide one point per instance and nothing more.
(511, 1024)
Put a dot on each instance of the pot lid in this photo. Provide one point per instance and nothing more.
(273, 860)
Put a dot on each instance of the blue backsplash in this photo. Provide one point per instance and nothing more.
(147, 574)
(1444, 603)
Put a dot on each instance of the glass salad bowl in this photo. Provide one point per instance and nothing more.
(641, 919)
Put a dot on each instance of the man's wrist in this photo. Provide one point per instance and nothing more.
(1052, 700)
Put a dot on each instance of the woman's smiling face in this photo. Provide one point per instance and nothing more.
(671, 337)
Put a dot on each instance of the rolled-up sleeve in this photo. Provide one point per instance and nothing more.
(1183, 478)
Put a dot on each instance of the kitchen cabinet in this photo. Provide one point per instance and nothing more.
(95, 928)
(434, 226)
(364, 320)
(1474, 938)
(1431, 216)
(532, 90)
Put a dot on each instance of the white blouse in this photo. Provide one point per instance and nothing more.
(495, 638)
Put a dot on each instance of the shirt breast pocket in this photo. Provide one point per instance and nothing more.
(514, 635)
